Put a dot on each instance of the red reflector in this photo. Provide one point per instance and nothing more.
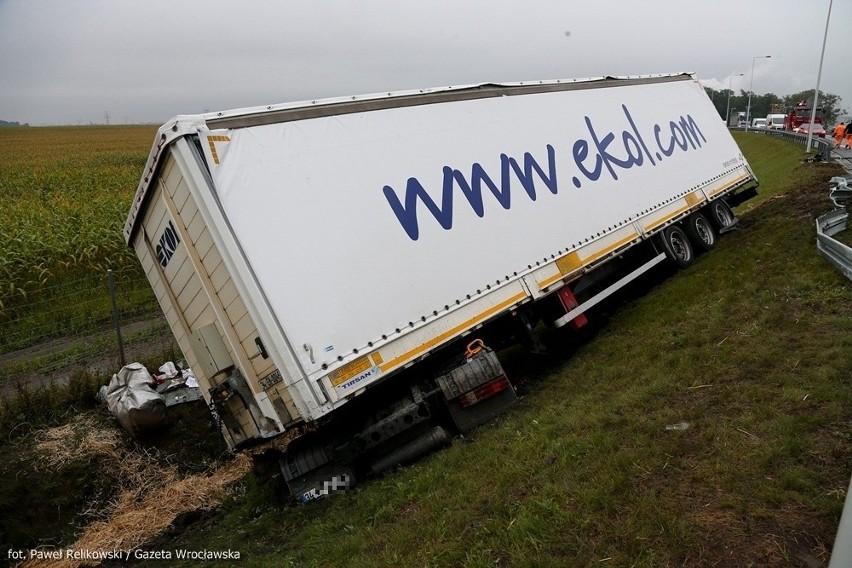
(569, 302)
(485, 391)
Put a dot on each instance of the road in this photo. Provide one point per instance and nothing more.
(844, 157)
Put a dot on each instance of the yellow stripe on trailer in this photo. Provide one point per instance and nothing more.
(726, 186)
(572, 262)
(450, 333)
(694, 198)
(662, 221)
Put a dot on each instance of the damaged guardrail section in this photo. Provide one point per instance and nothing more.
(828, 225)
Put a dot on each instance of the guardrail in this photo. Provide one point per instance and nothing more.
(821, 146)
(828, 225)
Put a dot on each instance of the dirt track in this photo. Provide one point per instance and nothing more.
(53, 362)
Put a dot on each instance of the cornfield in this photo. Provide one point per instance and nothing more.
(64, 196)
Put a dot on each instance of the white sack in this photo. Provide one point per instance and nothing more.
(131, 398)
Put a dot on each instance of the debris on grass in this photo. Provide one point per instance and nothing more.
(151, 495)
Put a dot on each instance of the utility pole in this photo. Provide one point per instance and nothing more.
(819, 76)
(751, 85)
(728, 110)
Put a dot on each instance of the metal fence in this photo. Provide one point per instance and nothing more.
(821, 146)
(115, 319)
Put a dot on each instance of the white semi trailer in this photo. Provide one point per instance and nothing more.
(330, 268)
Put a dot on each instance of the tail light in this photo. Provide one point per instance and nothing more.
(483, 392)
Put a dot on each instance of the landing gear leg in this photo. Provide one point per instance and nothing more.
(530, 340)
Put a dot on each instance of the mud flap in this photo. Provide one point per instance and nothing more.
(477, 390)
(466, 419)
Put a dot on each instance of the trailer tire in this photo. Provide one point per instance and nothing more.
(721, 215)
(700, 232)
(677, 246)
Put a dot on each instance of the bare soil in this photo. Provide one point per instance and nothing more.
(53, 362)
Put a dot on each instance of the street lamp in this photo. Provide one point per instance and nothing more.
(751, 83)
(819, 75)
(728, 109)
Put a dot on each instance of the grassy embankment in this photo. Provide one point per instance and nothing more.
(750, 347)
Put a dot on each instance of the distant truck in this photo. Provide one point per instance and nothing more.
(737, 119)
(775, 121)
(340, 273)
(801, 114)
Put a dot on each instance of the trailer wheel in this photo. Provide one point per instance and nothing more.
(677, 246)
(721, 215)
(700, 232)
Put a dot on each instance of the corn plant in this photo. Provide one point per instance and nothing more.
(64, 197)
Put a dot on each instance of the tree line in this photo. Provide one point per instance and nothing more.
(761, 105)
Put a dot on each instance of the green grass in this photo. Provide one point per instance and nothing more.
(764, 153)
(751, 347)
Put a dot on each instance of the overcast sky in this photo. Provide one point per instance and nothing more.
(77, 61)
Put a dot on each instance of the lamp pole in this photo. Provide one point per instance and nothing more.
(751, 84)
(728, 109)
(819, 76)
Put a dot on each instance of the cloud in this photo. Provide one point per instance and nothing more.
(73, 61)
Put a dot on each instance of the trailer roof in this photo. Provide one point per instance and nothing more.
(184, 125)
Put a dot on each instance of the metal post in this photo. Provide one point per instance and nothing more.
(115, 319)
(841, 554)
(728, 109)
(819, 75)
(750, 86)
